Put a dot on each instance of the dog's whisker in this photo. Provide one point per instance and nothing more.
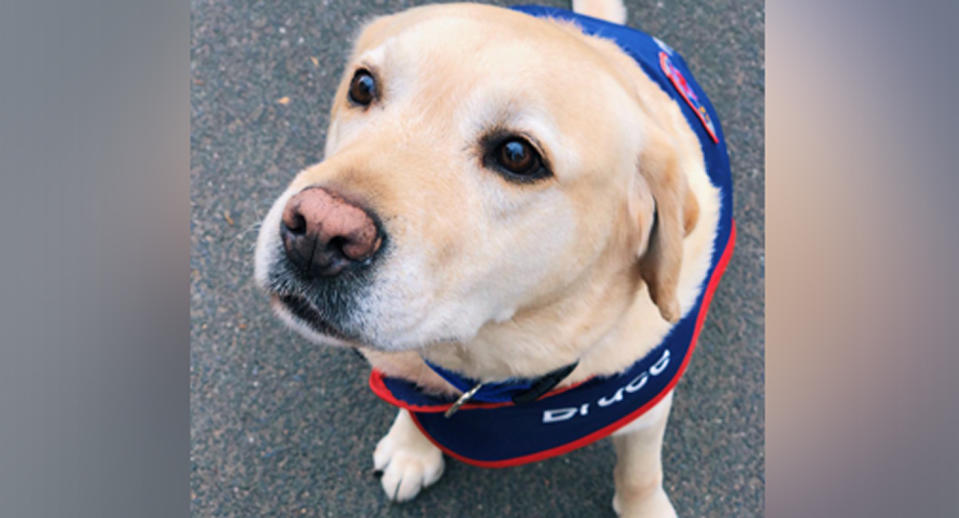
(251, 228)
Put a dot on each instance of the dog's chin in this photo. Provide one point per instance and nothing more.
(302, 316)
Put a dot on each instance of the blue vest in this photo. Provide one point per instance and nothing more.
(493, 431)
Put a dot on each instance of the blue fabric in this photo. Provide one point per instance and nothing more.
(514, 434)
(490, 392)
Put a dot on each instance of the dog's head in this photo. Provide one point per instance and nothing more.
(479, 162)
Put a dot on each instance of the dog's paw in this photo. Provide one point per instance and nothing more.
(655, 505)
(409, 463)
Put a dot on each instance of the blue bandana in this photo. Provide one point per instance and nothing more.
(496, 428)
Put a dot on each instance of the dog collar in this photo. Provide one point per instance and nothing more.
(517, 391)
(519, 421)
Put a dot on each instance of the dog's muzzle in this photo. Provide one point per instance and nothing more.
(330, 246)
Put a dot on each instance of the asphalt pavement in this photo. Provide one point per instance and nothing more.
(284, 428)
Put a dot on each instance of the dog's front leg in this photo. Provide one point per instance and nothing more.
(408, 460)
(639, 467)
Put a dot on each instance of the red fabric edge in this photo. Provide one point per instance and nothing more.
(603, 432)
(662, 63)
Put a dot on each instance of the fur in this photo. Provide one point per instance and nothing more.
(495, 279)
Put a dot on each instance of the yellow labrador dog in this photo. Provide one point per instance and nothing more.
(502, 197)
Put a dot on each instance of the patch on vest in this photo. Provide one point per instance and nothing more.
(666, 48)
(681, 86)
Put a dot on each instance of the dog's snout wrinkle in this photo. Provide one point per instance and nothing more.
(323, 233)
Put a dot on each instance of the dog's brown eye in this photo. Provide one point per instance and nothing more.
(514, 157)
(362, 88)
(518, 156)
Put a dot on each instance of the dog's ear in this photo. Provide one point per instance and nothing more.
(675, 214)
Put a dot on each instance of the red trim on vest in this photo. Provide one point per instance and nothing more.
(602, 432)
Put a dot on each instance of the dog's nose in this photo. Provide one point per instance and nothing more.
(323, 233)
